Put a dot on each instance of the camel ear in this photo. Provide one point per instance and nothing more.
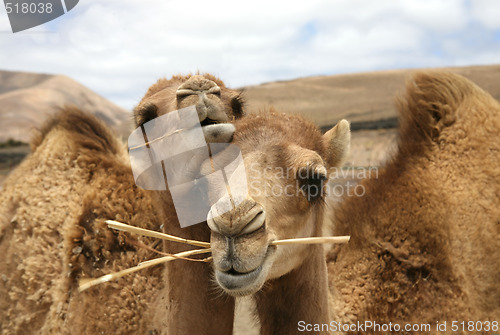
(337, 142)
(144, 113)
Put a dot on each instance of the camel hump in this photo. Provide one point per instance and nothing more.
(85, 130)
(430, 103)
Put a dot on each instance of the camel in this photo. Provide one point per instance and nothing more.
(52, 229)
(72, 242)
(286, 160)
(425, 237)
(424, 249)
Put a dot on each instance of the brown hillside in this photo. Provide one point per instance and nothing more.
(359, 98)
(26, 99)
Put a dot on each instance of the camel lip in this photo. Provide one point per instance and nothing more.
(235, 281)
(240, 284)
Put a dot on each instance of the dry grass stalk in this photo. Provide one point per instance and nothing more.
(305, 240)
(88, 283)
(313, 240)
(151, 233)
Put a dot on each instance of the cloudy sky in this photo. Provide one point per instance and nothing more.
(120, 47)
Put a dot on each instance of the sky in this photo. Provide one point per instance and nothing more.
(118, 48)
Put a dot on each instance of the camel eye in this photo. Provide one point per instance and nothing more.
(311, 184)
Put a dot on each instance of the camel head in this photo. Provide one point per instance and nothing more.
(215, 103)
(286, 161)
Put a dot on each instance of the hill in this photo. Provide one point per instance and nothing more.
(365, 99)
(26, 99)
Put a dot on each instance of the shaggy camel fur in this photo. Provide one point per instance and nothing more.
(425, 241)
(286, 160)
(81, 176)
(52, 230)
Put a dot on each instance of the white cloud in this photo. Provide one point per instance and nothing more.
(120, 47)
(487, 12)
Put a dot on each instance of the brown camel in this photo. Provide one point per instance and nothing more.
(214, 102)
(425, 241)
(425, 234)
(52, 229)
(286, 160)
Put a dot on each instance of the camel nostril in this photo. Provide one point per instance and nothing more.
(214, 90)
(257, 222)
(197, 84)
(182, 93)
(246, 218)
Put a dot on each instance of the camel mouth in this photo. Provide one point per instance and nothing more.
(209, 121)
(236, 282)
(240, 284)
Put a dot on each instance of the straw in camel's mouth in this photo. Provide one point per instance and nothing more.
(256, 277)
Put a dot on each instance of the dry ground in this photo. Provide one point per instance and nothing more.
(355, 97)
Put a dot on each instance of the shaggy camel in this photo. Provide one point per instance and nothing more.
(72, 242)
(425, 241)
(52, 229)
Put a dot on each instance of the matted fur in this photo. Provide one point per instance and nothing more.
(52, 233)
(425, 241)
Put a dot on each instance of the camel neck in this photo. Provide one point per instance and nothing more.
(299, 297)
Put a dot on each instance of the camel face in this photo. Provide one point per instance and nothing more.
(285, 181)
(214, 102)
